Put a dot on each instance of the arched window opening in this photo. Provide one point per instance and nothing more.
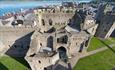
(54, 11)
(81, 47)
(50, 22)
(39, 61)
(40, 44)
(43, 22)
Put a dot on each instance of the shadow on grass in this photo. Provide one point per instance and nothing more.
(3, 67)
(113, 68)
(20, 48)
(22, 61)
(107, 46)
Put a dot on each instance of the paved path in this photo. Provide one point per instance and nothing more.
(96, 51)
(111, 40)
(78, 56)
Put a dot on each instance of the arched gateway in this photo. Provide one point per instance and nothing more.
(62, 53)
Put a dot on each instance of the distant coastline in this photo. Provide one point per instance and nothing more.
(16, 6)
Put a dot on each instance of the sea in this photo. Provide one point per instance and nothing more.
(16, 6)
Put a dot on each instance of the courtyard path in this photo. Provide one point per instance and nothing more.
(97, 50)
(78, 56)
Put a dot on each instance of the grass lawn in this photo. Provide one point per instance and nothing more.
(9, 63)
(113, 39)
(95, 43)
(104, 60)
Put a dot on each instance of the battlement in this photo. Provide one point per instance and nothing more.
(3, 28)
(55, 10)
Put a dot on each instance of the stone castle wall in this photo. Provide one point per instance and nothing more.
(15, 39)
(48, 18)
(106, 26)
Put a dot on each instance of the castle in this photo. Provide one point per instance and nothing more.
(49, 37)
(61, 34)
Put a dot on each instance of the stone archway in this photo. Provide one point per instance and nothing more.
(62, 53)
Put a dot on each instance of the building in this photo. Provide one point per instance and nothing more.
(59, 37)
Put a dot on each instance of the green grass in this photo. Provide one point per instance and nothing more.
(113, 39)
(95, 43)
(104, 60)
(9, 63)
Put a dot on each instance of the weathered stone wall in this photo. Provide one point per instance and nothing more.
(106, 27)
(92, 29)
(38, 63)
(48, 18)
(16, 39)
(76, 41)
(59, 18)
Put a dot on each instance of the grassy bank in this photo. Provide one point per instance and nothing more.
(104, 60)
(9, 63)
(95, 43)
